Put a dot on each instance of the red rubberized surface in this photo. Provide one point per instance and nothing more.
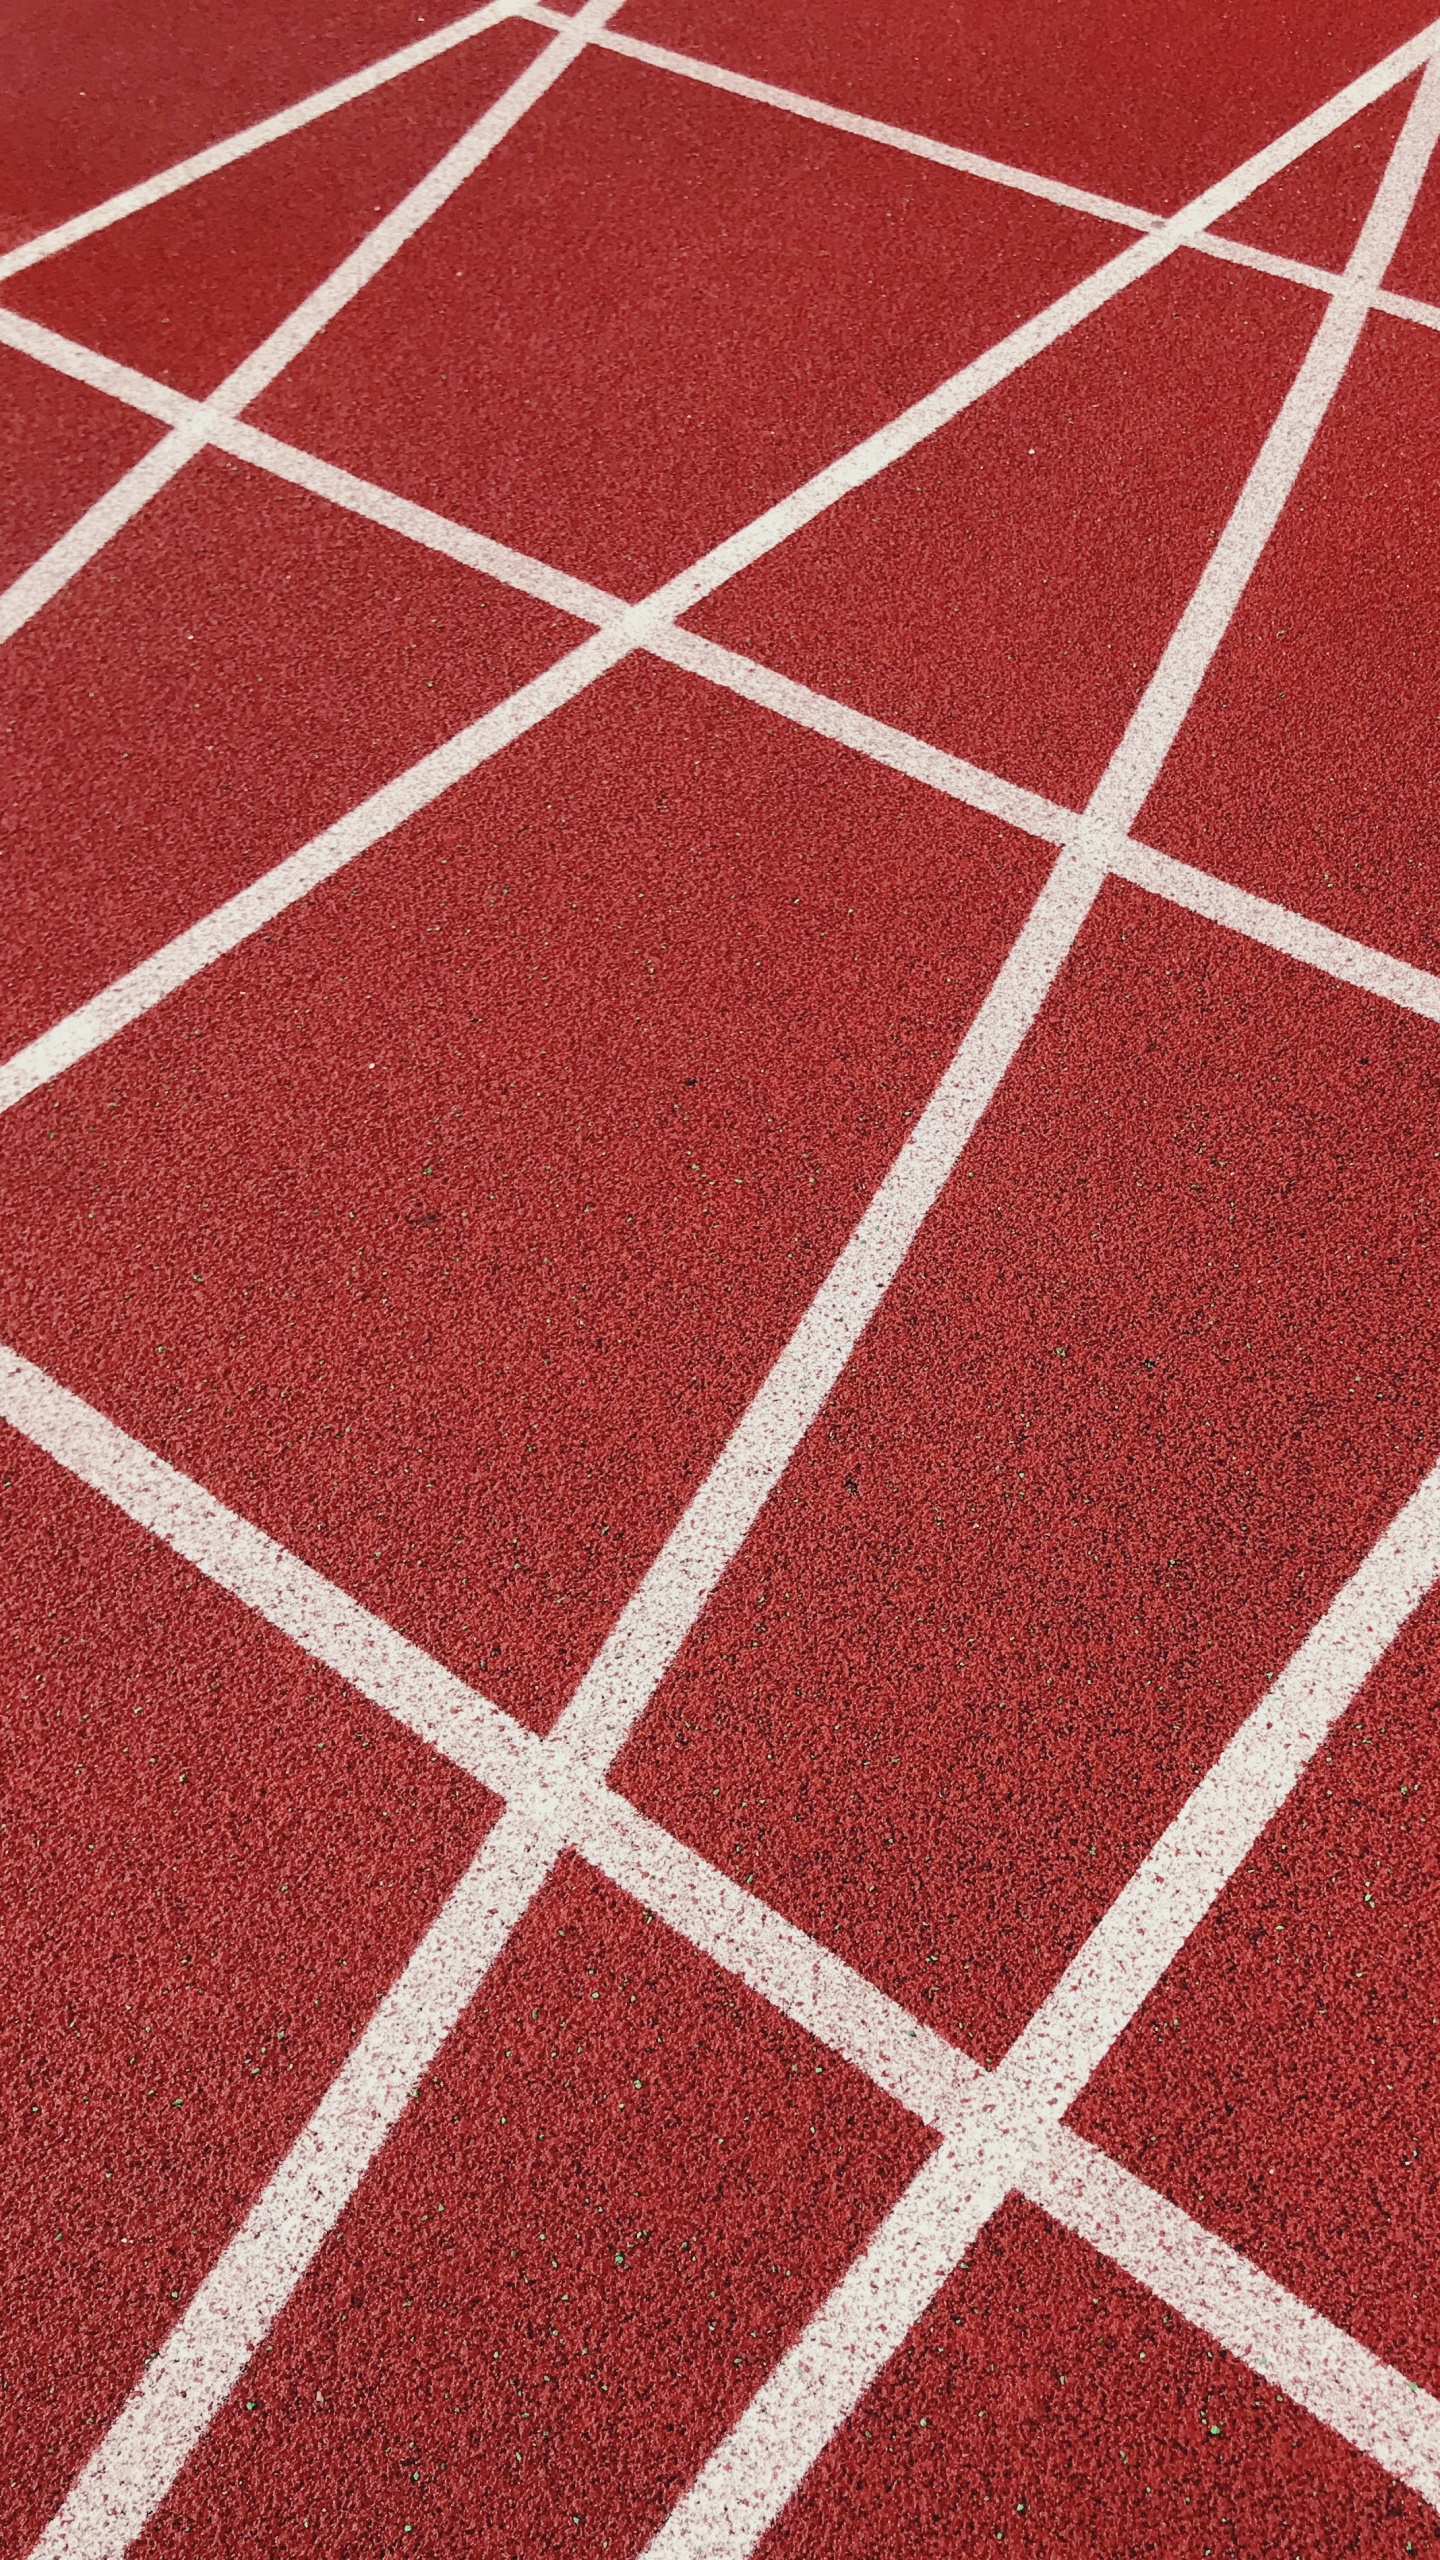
(184, 289)
(448, 1228)
(97, 99)
(497, 1241)
(1308, 770)
(297, 658)
(1315, 208)
(1008, 587)
(63, 446)
(1304, 2130)
(1138, 99)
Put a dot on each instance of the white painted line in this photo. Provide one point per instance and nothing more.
(129, 997)
(411, 214)
(655, 1621)
(218, 155)
(78, 545)
(894, 137)
(206, 2352)
(1194, 1859)
(959, 780)
(1207, 617)
(1324, 2369)
(993, 2141)
(810, 2393)
(1278, 928)
(308, 471)
(747, 2481)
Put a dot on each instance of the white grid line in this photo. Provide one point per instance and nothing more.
(645, 1640)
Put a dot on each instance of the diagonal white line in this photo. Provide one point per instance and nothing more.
(166, 2413)
(237, 146)
(1218, 2291)
(894, 137)
(654, 1623)
(1177, 679)
(101, 523)
(133, 2467)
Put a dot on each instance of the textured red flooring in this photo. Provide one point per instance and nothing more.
(446, 1229)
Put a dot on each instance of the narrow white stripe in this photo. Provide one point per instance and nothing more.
(132, 995)
(951, 774)
(141, 988)
(208, 2349)
(1176, 681)
(918, 146)
(1279, 928)
(218, 155)
(78, 545)
(44, 579)
(308, 471)
(1194, 1859)
(995, 2140)
(655, 1622)
(1304, 2355)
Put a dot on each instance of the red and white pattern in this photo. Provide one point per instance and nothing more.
(722, 1449)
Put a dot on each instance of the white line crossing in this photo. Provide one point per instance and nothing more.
(39, 584)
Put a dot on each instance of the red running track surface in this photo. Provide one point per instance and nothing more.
(721, 1446)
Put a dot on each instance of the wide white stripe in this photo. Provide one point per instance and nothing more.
(1324, 2369)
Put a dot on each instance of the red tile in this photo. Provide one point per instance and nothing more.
(608, 2212)
(1315, 209)
(655, 310)
(61, 447)
(1008, 588)
(98, 97)
(181, 1784)
(1156, 1373)
(186, 288)
(510, 1159)
(1308, 768)
(234, 671)
(1130, 97)
(1048, 2404)
(1284, 2081)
